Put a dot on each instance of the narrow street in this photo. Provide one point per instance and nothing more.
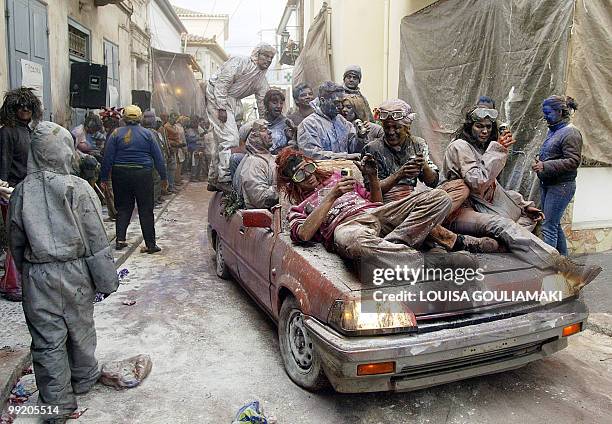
(213, 351)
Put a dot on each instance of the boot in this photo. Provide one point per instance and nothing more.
(577, 275)
(450, 260)
(476, 244)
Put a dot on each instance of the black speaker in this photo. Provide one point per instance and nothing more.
(142, 99)
(87, 85)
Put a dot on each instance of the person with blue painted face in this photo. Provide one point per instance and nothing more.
(326, 134)
(557, 167)
(477, 155)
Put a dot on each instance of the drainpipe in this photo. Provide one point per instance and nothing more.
(387, 13)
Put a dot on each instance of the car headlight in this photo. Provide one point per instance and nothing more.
(368, 317)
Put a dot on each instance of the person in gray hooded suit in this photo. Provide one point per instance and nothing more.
(61, 248)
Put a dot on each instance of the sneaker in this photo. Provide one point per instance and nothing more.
(577, 275)
(150, 250)
(477, 244)
(120, 245)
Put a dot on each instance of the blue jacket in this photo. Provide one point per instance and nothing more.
(132, 145)
(561, 154)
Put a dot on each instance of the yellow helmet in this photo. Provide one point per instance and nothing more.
(132, 113)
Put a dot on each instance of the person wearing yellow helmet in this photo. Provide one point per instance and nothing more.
(131, 153)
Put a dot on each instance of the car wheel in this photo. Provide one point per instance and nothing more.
(302, 361)
(220, 267)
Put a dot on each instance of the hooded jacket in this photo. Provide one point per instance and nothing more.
(55, 216)
(240, 77)
(256, 174)
(323, 138)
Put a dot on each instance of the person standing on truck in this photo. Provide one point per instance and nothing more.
(238, 77)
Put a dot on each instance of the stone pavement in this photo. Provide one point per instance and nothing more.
(14, 336)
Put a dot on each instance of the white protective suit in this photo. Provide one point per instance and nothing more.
(238, 77)
(61, 248)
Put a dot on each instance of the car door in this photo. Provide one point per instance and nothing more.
(254, 251)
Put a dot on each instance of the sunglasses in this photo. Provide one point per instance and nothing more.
(482, 113)
(304, 172)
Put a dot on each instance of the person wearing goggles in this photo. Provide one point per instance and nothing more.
(338, 211)
(325, 134)
(403, 159)
(20, 108)
(477, 156)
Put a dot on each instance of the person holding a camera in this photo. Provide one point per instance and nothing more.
(366, 131)
(403, 159)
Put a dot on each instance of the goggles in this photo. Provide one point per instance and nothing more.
(304, 172)
(482, 113)
(396, 115)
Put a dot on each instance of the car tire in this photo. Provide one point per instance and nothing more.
(302, 361)
(220, 267)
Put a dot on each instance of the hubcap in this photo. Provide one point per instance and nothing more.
(299, 342)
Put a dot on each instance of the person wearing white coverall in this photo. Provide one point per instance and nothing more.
(238, 77)
(61, 248)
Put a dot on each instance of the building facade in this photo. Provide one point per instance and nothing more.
(48, 38)
(361, 32)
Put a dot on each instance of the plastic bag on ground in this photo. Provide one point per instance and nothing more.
(127, 373)
(252, 413)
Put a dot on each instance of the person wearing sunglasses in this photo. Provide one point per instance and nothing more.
(477, 156)
(255, 179)
(21, 108)
(325, 134)
(402, 159)
(338, 211)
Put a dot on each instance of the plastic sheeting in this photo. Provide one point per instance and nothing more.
(514, 51)
(313, 65)
(174, 85)
(590, 73)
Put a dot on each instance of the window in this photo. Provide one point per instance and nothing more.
(78, 42)
(111, 60)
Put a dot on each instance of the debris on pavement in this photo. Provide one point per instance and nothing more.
(25, 387)
(124, 272)
(129, 302)
(77, 414)
(127, 373)
(252, 412)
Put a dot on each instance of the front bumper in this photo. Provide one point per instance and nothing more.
(429, 359)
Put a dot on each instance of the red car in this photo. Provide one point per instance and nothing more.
(327, 333)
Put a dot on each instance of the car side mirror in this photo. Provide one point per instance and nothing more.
(257, 218)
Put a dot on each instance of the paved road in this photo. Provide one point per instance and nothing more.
(213, 351)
